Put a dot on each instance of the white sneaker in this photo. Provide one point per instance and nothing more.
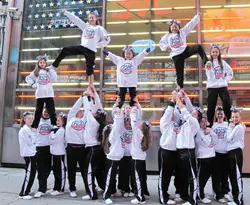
(86, 197)
(187, 203)
(55, 193)
(126, 194)
(171, 201)
(73, 194)
(108, 201)
(131, 194)
(39, 194)
(49, 191)
(27, 197)
(231, 203)
(223, 201)
(206, 201)
(228, 197)
(208, 65)
(135, 201)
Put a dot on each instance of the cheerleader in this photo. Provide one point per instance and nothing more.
(185, 145)
(43, 155)
(114, 147)
(96, 120)
(175, 43)
(93, 36)
(75, 150)
(220, 179)
(235, 138)
(205, 141)
(219, 73)
(28, 152)
(41, 78)
(168, 152)
(141, 141)
(57, 149)
(127, 69)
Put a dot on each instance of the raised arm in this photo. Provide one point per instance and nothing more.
(75, 19)
(114, 58)
(104, 38)
(75, 108)
(117, 125)
(166, 118)
(139, 58)
(191, 24)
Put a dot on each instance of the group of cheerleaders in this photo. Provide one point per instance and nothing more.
(193, 146)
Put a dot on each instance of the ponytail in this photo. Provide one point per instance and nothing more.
(105, 139)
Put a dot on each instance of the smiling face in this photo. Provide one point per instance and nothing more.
(220, 116)
(203, 123)
(215, 53)
(42, 63)
(45, 113)
(174, 28)
(59, 121)
(28, 119)
(92, 19)
(195, 114)
(128, 55)
(79, 114)
(235, 117)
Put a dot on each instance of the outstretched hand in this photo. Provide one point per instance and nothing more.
(105, 52)
(148, 50)
(64, 11)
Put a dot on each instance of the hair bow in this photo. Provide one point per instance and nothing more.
(63, 114)
(147, 123)
(218, 107)
(174, 21)
(127, 118)
(95, 12)
(27, 113)
(107, 127)
(214, 45)
(236, 109)
(127, 48)
(45, 56)
(101, 112)
(198, 109)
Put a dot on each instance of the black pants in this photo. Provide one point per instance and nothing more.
(50, 105)
(139, 179)
(205, 170)
(110, 181)
(78, 50)
(59, 171)
(43, 157)
(125, 171)
(100, 172)
(75, 155)
(212, 101)
(186, 160)
(220, 177)
(122, 94)
(179, 60)
(92, 165)
(168, 164)
(235, 174)
(30, 173)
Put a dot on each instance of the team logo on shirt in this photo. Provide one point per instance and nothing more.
(122, 142)
(218, 72)
(44, 129)
(177, 128)
(176, 42)
(127, 137)
(211, 145)
(89, 33)
(126, 68)
(43, 79)
(220, 132)
(78, 125)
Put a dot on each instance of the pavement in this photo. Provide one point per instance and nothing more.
(11, 180)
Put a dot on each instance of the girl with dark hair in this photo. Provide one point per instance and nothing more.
(141, 140)
(93, 36)
(219, 73)
(127, 69)
(220, 179)
(175, 43)
(235, 138)
(57, 149)
(28, 152)
(42, 78)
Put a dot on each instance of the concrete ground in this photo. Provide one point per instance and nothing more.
(11, 180)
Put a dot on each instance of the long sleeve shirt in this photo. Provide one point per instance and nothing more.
(57, 142)
(185, 139)
(235, 137)
(42, 83)
(93, 36)
(169, 130)
(27, 142)
(205, 144)
(220, 129)
(43, 132)
(218, 77)
(127, 70)
(75, 126)
(177, 41)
